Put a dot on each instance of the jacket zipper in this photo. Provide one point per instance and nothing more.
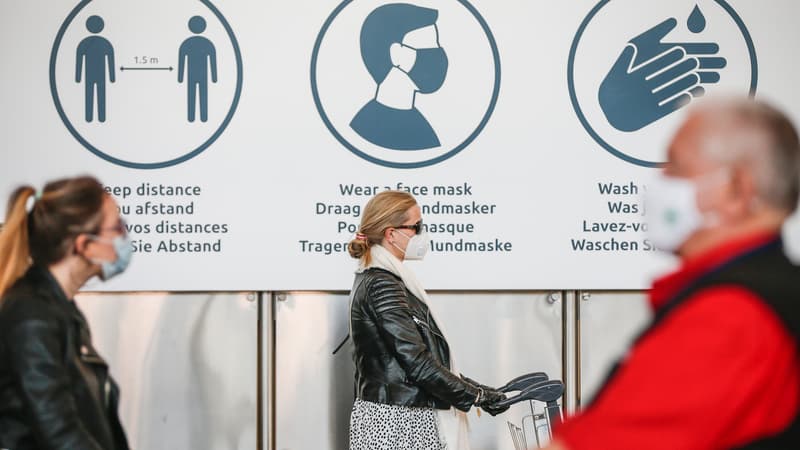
(107, 391)
(424, 324)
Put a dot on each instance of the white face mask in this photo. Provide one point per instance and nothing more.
(672, 211)
(417, 247)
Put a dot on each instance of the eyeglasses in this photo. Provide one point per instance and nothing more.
(417, 227)
(120, 228)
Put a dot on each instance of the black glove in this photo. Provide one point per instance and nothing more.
(495, 410)
(489, 398)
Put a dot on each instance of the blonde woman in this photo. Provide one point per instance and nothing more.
(55, 390)
(407, 396)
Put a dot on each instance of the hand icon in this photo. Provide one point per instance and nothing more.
(652, 79)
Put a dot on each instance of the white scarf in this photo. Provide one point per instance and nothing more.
(453, 422)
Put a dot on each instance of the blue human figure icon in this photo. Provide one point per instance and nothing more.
(95, 56)
(196, 58)
(401, 70)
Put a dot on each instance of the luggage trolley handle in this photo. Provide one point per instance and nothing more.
(543, 391)
(523, 382)
(547, 392)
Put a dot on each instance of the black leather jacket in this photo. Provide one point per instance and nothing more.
(400, 354)
(55, 390)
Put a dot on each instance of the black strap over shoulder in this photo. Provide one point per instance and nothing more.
(768, 273)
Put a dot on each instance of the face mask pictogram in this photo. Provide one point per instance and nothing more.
(430, 69)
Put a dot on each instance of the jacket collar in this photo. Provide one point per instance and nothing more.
(666, 287)
(42, 278)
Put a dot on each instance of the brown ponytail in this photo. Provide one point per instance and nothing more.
(385, 210)
(65, 209)
(14, 250)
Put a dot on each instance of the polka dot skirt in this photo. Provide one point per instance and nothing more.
(375, 426)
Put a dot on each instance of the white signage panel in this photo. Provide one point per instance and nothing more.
(243, 139)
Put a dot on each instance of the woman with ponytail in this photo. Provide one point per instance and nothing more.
(408, 394)
(55, 390)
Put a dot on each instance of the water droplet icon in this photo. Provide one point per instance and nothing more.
(697, 21)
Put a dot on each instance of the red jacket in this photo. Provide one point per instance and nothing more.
(719, 372)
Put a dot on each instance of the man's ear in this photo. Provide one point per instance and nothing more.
(744, 189)
(744, 182)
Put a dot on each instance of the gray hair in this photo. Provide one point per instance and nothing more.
(762, 138)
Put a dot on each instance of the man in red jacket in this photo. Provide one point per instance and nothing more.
(718, 368)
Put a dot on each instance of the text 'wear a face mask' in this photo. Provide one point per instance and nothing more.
(672, 211)
(429, 70)
(417, 247)
(123, 249)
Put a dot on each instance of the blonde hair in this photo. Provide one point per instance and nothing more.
(46, 234)
(14, 252)
(385, 210)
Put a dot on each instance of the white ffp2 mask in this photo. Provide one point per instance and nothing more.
(417, 247)
(672, 212)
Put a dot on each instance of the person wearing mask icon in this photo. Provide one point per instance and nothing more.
(56, 392)
(400, 49)
(407, 394)
(718, 367)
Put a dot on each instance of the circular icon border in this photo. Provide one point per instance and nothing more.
(576, 104)
(134, 165)
(401, 165)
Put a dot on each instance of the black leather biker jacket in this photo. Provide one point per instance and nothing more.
(55, 390)
(400, 355)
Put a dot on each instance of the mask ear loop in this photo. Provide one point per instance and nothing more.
(717, 176)
(395, 245)
(76, 250)
(397, 66)
(710, 181)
